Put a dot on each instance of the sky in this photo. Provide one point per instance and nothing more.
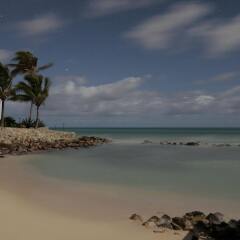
(130, 63)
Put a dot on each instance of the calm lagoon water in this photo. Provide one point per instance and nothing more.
(204, 171)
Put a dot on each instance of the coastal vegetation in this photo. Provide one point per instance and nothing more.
(6, 89)
(33, 88)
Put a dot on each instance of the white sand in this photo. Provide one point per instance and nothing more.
(23, 221)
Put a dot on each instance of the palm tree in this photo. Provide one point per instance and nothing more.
(26, 63)
(6, 89)
(23, 93)
(36, 88)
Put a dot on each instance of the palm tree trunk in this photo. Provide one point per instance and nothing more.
(2, 114)
(30, 112)
(37, 118)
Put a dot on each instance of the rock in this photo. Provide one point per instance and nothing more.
(195, 216)
(192, 144)
(233, 223)
(150, 225)
(136, 217)
(165, 222)
(152, 222)
(147, 142)
(224, 232)
(201, 230)
(179, 223)
(200, 226)
(215, 218)
(188, 225)
(153, 219)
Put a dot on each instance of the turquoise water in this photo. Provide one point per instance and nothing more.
(201, 171)
(205, 135)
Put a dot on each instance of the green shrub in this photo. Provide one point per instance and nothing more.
(27, 123)
(10, 122)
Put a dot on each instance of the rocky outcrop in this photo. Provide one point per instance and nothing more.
(190, 143)
(22, 141)
(199, 226)
(181, 143)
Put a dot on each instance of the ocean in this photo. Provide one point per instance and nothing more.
(201, 171)
(136, 135)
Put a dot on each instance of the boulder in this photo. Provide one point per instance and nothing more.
(179, 223)
(192, 144)
(215, 218)
(201, 230)
(147, 142)
(136, 217)
(152, 222)
(165, 222)
(153, 219)
(150, 225)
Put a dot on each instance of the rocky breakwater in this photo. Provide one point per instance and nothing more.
(15, 141)
(199, 226)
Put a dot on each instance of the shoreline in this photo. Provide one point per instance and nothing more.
(103, 207)
(16, 175)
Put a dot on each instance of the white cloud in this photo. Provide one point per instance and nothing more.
(219, 37)
(105, 7)
(126, 98)
(185, 25)
(106, 91)
(5, 55)
(204, 99)
(40, 25)
(222, 77)
(67, 83)
(159, 32)
(227, 76)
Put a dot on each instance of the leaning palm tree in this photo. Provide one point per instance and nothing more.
(6, 89)
(26, 63)
(35, 88)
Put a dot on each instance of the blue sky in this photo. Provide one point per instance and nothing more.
(131, 63)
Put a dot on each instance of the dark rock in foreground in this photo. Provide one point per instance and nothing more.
(200, 226)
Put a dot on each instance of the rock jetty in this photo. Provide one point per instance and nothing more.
(212, 226)
(16, 141)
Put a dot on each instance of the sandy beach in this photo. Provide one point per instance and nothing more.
(35, 207)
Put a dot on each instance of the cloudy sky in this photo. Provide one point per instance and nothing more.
(130, 62)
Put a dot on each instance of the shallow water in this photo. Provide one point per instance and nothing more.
(127, 175)
(205, 172)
